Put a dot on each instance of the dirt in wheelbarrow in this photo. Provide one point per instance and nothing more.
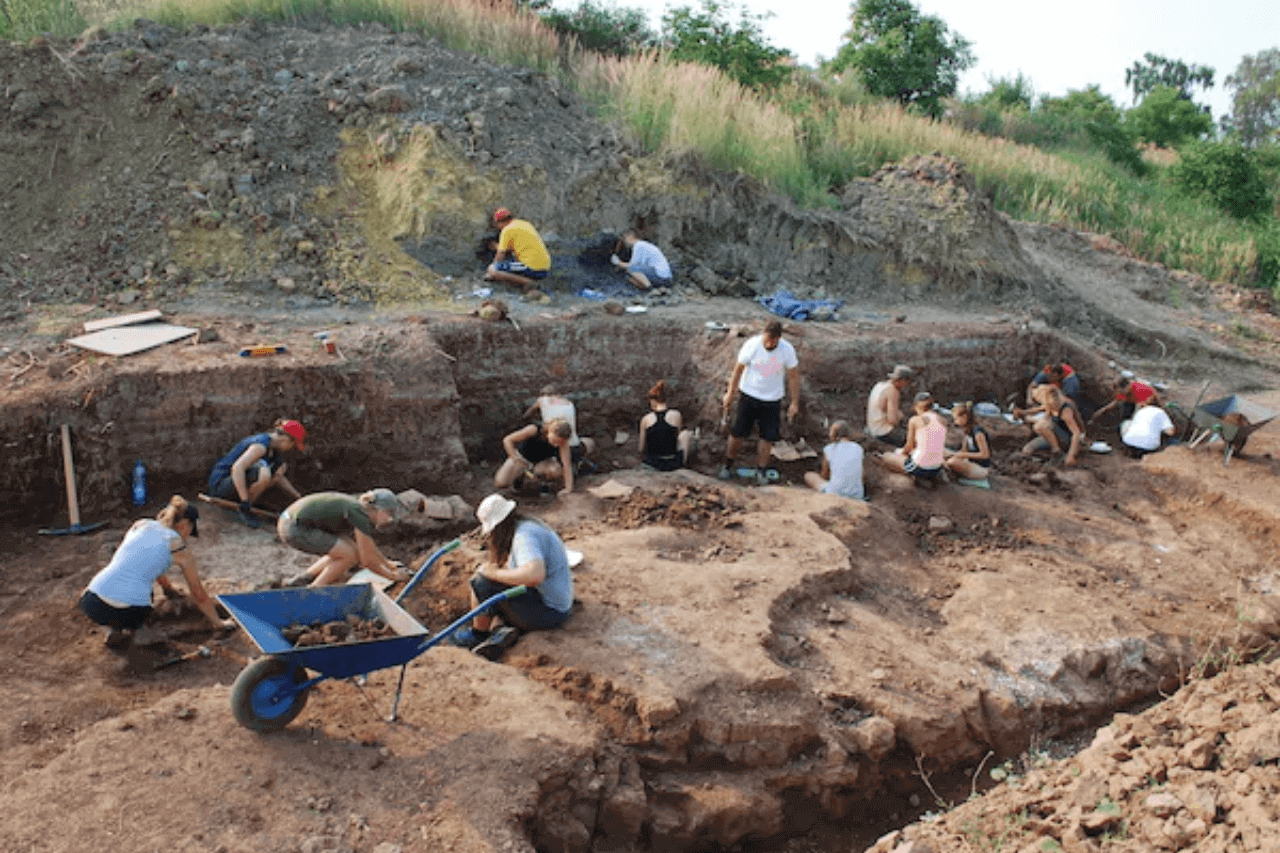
(353, 629)
(763, 669)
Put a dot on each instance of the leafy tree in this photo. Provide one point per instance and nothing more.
(1166, 119)
(1227, 174)
(708, 36)
(1255, 105)
(604, 29)
(1010, 92)
(1159, 71)
(904, 55)
(1102, 122)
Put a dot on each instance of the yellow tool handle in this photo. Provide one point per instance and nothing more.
(255, 352)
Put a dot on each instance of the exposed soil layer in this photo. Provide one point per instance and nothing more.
(756, 669)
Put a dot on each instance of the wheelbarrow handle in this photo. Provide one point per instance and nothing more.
(426, 567)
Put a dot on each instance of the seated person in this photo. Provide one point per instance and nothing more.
(1062, 424)
(1129, 394)
(543, 452)
(924, 454)
(648, 267)
(973, 460)
(521, 551)
(841, 465)
(1147, 430)
(256, 464)
(663, 444)
(884, 406)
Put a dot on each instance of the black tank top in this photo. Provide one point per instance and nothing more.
(660, 438)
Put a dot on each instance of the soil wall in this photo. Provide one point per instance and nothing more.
(419, 404)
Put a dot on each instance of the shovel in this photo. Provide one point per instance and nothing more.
(73, 502)
(226, 504)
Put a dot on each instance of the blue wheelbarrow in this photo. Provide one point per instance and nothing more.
(272, 690)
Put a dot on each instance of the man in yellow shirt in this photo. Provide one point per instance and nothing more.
(522, 258)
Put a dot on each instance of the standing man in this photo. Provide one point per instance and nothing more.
(648, 267)
(884, 407)
(766, 371)
(522, 258)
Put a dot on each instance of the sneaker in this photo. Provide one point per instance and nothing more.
(250, 520)
(725, 473)
(468, 637)
(300, 579)
(497, 644)
(761, 478)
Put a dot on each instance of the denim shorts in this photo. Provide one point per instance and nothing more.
(518, 268)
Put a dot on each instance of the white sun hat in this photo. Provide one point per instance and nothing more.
(493, 510)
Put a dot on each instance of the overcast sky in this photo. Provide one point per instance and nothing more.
(1060, 46)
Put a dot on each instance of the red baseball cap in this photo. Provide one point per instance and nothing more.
(501, 215)
(296, 431)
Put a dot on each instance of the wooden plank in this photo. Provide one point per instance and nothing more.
(122, 320)
(127, 340)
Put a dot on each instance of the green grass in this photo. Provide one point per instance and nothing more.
(806, 140)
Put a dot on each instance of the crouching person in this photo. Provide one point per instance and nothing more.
(521, 552)
(119, 596)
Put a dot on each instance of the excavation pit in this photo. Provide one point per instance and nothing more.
(746, 665)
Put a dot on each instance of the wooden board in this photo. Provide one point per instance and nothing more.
(122, 320)
(127, 340)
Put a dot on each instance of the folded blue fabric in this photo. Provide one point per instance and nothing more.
(787, 305)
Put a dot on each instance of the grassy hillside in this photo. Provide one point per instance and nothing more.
(805, 140)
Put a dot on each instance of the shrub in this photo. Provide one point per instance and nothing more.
(1227, 174)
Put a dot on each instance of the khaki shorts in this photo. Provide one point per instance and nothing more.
(310, 540)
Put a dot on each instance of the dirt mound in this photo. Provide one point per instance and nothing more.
(1195, 772)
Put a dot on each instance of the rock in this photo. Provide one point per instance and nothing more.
(614, 309)
(939, 524)
(388, 847)
(1163, 804)
(25, 105)
(874, 737)
(388, 99)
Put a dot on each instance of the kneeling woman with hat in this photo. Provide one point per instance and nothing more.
(119, 596)
(522, 551)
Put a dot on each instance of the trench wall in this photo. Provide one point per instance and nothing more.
(423, 406)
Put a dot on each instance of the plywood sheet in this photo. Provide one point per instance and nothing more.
(127, 340)
(122, 320)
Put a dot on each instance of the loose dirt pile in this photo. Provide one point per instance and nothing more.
(353, 629)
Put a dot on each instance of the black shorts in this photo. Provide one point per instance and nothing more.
(127, 618)
(921, 473)
(766, 413)
(665, 463)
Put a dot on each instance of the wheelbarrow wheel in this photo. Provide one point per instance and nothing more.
(255, 702)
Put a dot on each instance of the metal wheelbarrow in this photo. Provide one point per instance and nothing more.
(1232, 418)
(272, 690)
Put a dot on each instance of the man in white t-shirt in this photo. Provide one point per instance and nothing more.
(766, 371)
(1145, 432)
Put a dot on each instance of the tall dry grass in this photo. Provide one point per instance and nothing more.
(805, 140)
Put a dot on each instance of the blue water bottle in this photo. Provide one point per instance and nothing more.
(139, 483)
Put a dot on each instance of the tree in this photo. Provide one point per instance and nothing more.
(1010, 93)
(1255, 104)
(1227, 174)
(709, 37)
(1144, 79)
(904, 55)
(604, 29)
(1166, 119)
(1101, 121)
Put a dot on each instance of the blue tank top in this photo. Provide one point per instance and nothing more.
(222, 468)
